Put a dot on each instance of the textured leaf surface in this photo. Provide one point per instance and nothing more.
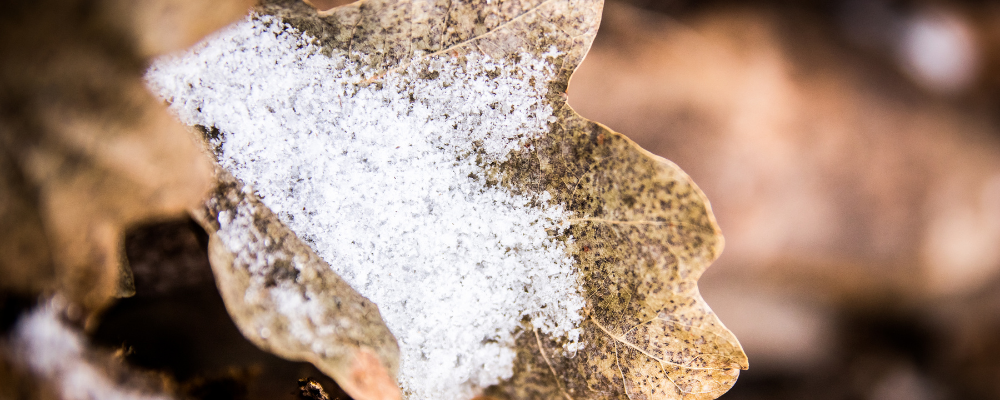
(638, 231)
(644, 233)
(263, 269)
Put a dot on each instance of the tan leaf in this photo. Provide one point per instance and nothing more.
(636, 230)
(86, 149)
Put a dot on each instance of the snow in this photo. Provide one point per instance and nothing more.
(386, 181)
(56, 352)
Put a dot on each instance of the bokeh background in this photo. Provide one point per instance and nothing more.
(851, 152)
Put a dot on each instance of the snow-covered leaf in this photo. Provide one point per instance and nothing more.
(425, 151)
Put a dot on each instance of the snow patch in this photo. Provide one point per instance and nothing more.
(55, 352)
(386, 180)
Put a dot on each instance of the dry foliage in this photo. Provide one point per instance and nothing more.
(643, 232)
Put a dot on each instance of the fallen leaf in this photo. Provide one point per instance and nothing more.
(86, 149)
(421, 140)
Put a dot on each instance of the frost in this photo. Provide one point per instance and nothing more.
(386, 178)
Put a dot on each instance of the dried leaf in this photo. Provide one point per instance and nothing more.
(638, 232)
(86, 149)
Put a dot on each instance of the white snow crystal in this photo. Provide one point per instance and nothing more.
(386, 181)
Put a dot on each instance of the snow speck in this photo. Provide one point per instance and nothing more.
(56, 353)
(386, 180)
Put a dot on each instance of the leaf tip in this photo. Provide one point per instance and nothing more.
(368, 379)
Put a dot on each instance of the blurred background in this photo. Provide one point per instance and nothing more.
(851, 152)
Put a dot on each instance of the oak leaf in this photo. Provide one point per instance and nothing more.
(296, 104)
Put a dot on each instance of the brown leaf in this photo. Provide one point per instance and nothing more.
(641, 232)
(87, 150)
